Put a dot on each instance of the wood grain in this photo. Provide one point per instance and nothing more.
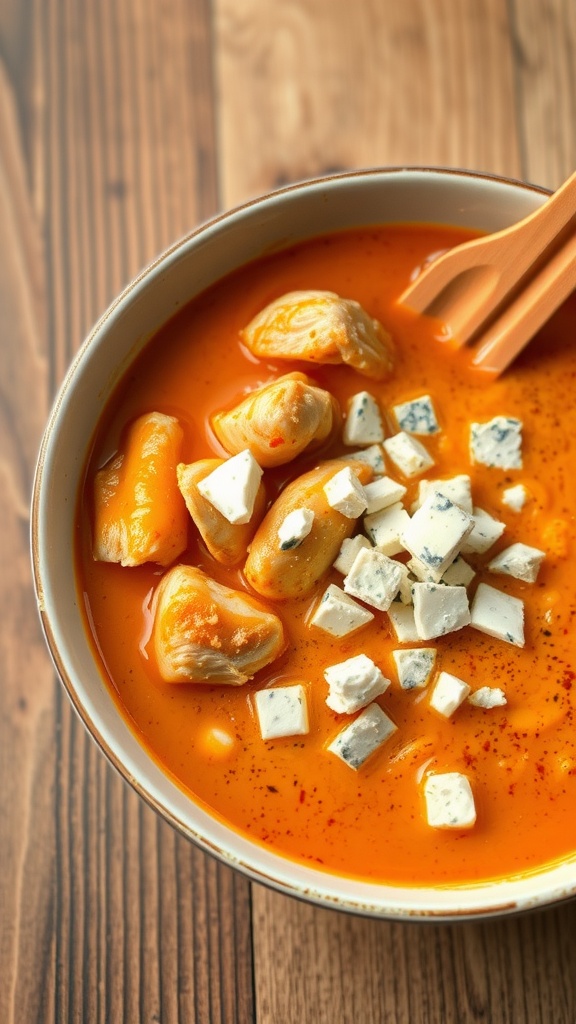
(326, 967)
(338, 85)
(122, 124)
(107, 153)
(544, 41)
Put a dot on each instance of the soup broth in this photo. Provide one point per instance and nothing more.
(291, 794)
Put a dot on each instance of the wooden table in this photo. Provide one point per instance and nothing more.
(123, 123)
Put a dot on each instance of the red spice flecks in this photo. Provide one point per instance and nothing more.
(302, 795)
(276, 441)
(540, 768)
(486, 745)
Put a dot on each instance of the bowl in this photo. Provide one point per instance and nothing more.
(183, 271)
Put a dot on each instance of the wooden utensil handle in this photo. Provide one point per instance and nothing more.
(541, 297)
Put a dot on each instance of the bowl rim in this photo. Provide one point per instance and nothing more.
(490, 907)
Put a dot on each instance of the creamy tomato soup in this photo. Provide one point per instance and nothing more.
(293, 793)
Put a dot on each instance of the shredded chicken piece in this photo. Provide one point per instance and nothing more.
(140, 514)
(227, 542)
(280, 420)
(190, 647)
(320, 327)
(293, 572)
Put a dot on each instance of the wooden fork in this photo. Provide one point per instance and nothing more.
(496, 292)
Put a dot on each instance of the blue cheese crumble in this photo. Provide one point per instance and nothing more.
(497, 443)
(374, 578)
(408, 454)
(448, 694)
(282, 711)
(353, 684)
(414, 666)
(488, 697)
(385, 528)
(417, 416)
(232, 488)
(439, 609)
(520, 561)
(363, 423)
(339, 614)
(498, 614)
(295, 528)
(362, 738)
(435, 533)
(449, 801)
(372, 456)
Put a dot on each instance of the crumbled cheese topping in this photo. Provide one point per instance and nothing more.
(363, 424)
(417, 416)
(295, 528)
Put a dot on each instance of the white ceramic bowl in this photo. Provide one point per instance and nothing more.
(190, 266)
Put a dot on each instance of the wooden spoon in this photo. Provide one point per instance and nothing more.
(496, 292)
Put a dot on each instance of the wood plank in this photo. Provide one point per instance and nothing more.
(328, 967)
(544, 37)
(107, 153)
(308, 88)
(27, 722)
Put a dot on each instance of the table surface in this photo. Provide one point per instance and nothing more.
(124, 123)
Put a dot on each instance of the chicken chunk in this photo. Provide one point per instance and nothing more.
(204, 632)
(320, 327)
(227, 542)
(279, 421)
(140, 515)
(279, 573)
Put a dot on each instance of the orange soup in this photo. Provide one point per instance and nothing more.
(293, 793)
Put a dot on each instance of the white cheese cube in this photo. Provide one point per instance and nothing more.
(282, 711)
(439, 610)
(414, 666)
(488, 697)
(382, 493)
(520, 561)
(295, 528)
(497, 614)
(405, 591)
(459, 574)
(402, 620)
(374, 578)
(417, 416)
(497, 443)
(485, 532)
(354, 684)
(449, 801)
(448, 694)
(350, 548)
(408, 454)
(372, 456)
(363, 423)
(435, 533)
(421, 572)
(338, 614)
(345, 493)
(233, 486)
(515, 497)
(363, 736)
(385, 528)
(457, 488)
